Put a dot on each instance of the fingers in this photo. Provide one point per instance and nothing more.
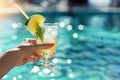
(28, 41)
(42, 46)
(37, 46)
(32, 43)
(31, 48)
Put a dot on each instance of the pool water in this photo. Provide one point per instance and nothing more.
(88, 46)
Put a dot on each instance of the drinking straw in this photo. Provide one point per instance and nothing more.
(26, 16)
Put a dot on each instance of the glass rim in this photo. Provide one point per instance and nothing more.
(51, 24)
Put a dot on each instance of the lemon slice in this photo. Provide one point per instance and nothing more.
(33, 22)
(34, 25)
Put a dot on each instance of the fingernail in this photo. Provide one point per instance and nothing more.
(50, 45)
(32, 41)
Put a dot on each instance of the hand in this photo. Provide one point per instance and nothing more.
(29, 52)
(22, 54)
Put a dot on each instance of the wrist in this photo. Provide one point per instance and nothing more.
(14, 56)
(8, 60)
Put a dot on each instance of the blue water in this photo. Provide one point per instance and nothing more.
(88, 46)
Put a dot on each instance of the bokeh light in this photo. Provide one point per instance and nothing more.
(4, 76)
(71, 75)
(69, 61)
(14, 26)
(52, 74)
(46, 70)
(80, 27)
(55, 60)
(61, 24)
(69, 27)
(19, 25)
(20, 76)
(40, 73)
(75, 35)
(14, 78)
(35, 69)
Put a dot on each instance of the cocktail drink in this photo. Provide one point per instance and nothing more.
(44, 32)
(50, 33)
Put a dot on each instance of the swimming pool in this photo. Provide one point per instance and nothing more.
(88, 46)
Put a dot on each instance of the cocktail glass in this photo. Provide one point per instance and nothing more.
(50, 33)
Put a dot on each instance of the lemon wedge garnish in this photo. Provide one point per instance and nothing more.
(34, 25)
(33, 22)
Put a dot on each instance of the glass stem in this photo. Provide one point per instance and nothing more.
(46, 61)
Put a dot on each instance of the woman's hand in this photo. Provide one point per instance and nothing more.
(22, 54)
(29, 51)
